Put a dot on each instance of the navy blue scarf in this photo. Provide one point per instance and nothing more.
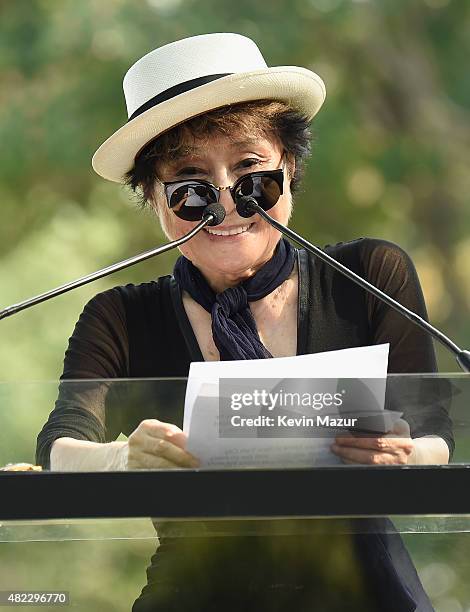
(233, 325)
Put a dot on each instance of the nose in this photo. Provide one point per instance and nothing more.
(225, 198)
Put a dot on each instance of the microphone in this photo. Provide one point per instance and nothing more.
(214, 214)
(247, 206)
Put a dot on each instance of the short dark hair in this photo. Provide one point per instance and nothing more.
(269, 118)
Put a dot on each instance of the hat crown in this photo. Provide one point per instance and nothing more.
(187, 59)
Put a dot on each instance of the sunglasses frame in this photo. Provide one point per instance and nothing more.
(277, 175)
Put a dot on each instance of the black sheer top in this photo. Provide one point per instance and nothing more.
(142, 331)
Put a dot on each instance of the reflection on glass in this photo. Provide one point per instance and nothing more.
(204, 564)
(92, 421)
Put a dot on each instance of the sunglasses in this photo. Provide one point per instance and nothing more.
(188, 199)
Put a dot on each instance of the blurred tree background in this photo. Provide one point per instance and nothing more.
(390, 156)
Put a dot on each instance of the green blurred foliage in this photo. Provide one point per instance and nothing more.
(101, 574)
(390, 155)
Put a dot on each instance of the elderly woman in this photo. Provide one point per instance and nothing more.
(209, 120)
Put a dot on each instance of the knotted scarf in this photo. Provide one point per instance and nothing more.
(233, 325)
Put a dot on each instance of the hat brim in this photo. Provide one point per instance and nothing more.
(300, 88)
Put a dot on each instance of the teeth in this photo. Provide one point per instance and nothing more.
(231, 232)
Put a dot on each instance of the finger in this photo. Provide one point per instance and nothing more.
(178, 438)
(146, 461)
(381, 444)
(168, 431)
(168, 450)
(165, 455)
(161, 447)
(369, 457)
(372, 443)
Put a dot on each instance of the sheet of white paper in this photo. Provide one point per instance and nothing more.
(357, 362)
(201, 407)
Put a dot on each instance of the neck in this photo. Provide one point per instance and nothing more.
(218, 282)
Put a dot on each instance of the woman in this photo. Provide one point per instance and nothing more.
(208, 120)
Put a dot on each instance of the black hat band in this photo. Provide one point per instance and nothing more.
(171, 92)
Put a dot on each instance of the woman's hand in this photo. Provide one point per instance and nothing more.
(394, 447)
(155, 445)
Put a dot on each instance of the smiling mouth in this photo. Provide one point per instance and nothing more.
(233, 231)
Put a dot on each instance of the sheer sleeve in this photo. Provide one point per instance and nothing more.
(98, 349)
(425, 402)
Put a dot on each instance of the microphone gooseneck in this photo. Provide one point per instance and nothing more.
(248, 206)
(214, 214)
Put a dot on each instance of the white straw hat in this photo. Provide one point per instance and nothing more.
(192, 76)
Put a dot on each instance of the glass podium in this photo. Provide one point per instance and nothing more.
(313, 537)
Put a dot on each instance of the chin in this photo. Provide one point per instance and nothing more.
(232, 255)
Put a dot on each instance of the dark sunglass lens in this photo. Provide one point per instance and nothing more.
(188, 200)
(264, 189)
(247, 187)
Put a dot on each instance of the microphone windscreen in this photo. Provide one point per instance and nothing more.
(244, 206)
(217, 211)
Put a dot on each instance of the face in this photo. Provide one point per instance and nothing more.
(226, 260)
